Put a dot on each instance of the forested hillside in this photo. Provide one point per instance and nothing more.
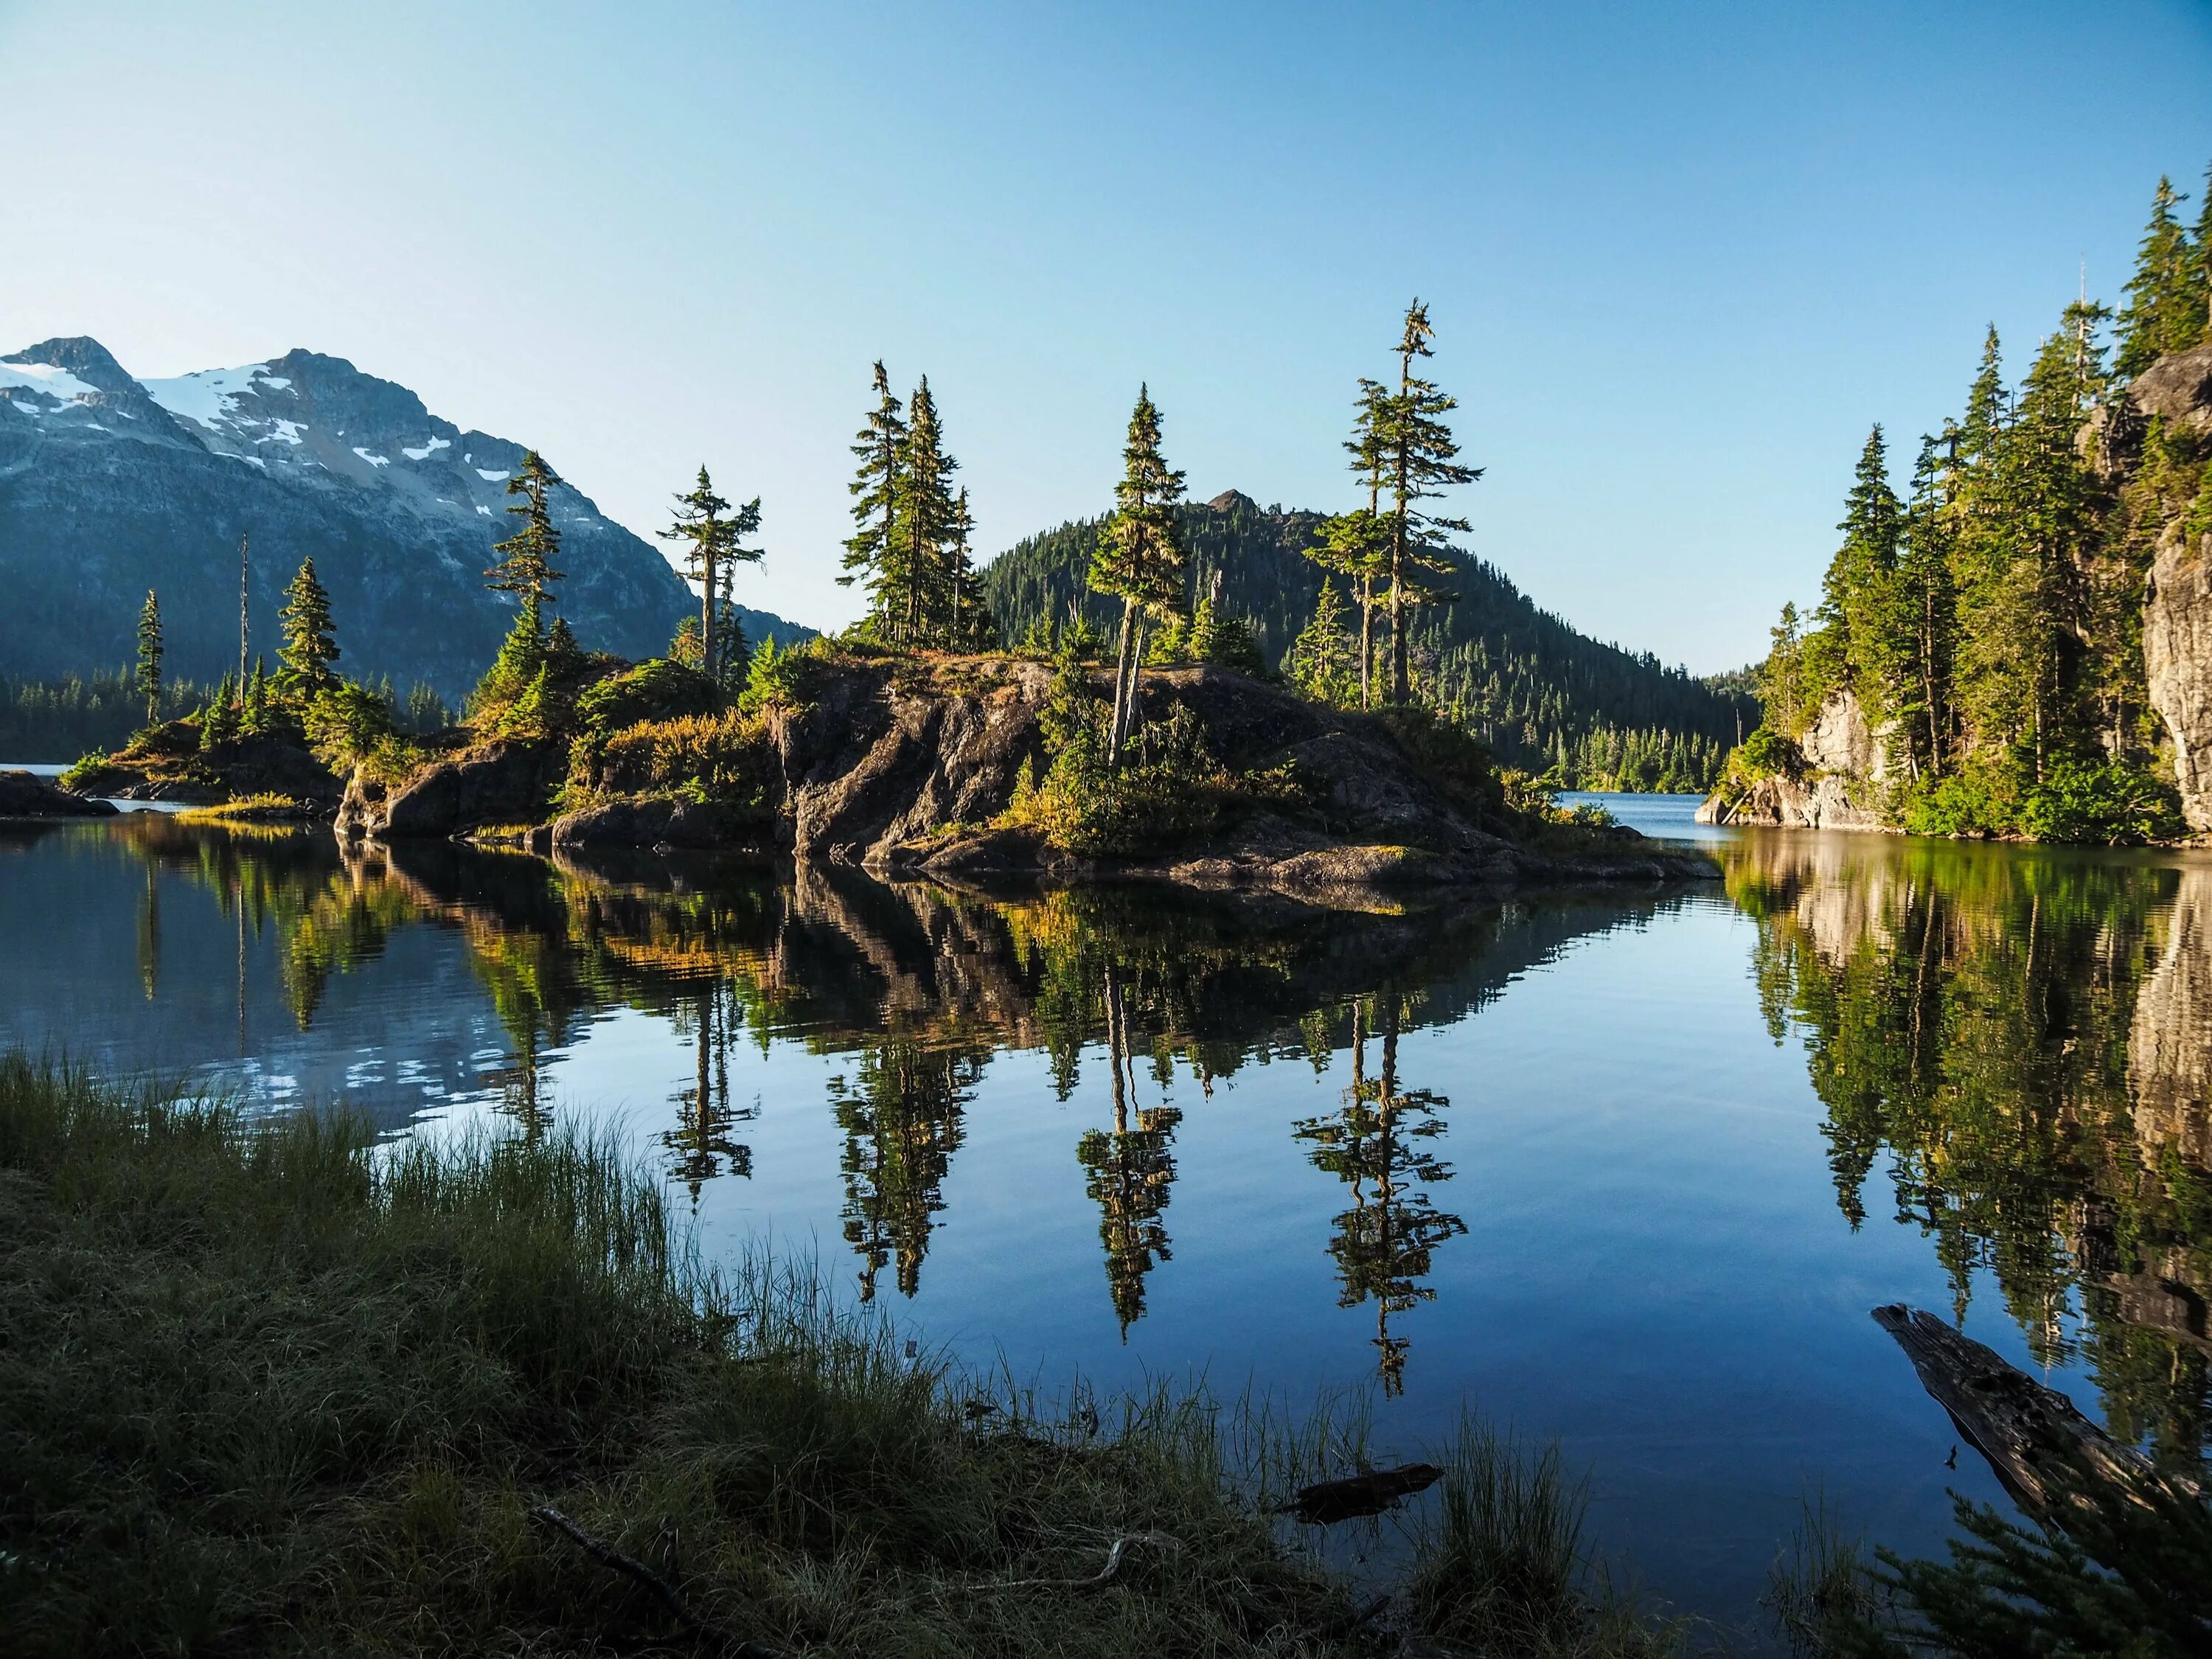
(2014, 644)
(1544, 697)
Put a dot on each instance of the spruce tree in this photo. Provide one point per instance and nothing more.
(1928, 610)
(880, 444)
(1139, 555)
(924, 529)
(149, 676)
(2200, 264)
(2166, 312)
(304, 659)
(1419, 451)
(1319, 662)
(1859, 591)
(713, 542)
(525, 564)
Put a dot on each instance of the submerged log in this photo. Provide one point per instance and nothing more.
(1357, 1496)
(2030, 1434)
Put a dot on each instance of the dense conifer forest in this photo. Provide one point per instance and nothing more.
(1988, 617)
(1544, 697)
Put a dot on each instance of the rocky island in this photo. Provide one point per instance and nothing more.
(952, 767)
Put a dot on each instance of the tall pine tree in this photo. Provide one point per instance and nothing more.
(1139, 555)
(924, 529)
(712, 538)
(524, 563)
(148, 675)
(1418, 461)
(880, 444)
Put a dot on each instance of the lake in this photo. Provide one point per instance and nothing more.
(1622, 1169)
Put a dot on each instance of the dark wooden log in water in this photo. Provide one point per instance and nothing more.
(2028, 1433)
(1356, 1496)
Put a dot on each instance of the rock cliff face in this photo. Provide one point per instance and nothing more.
(2169, 1043)
(900, 768)
(2178, 663)
(2176, 390)
(1843, 758)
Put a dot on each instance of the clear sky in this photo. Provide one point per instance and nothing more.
(1679, 255)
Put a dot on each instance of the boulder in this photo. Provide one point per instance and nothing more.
(659, 821)
(1826, 801)
(27, 795)
(501, 783)
(2177, 662)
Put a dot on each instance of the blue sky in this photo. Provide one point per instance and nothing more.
(1679, 257)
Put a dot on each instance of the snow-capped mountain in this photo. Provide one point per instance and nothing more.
(111, 485)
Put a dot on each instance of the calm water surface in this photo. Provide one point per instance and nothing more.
(1622, 1168)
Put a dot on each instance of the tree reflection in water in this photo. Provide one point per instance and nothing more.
(1129, 1172)
(1378, 1143)
(2025, 1038)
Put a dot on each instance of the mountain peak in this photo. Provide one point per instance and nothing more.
(82, 356)
(1230, 500)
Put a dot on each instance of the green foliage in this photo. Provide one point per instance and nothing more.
(2103, 801)
(57, 720)
(658, 689)
(1765, 754)
(345, 724)
(727, 759)
(2167, 308)
(1323, 661)
(779, 679)
(911, 539)
(1991, 626)
(1418, 461)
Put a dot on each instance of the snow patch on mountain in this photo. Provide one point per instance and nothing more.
(490, 476)
(374, 460)
(427, 450)
(212, 394)
(41, 379)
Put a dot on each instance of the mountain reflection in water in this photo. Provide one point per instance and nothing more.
(1643, 1206)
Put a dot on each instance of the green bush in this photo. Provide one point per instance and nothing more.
(345, 724)
(779, 679)
(725, 758)
(1765, 753)
(2107, 802)
(2097, 802)
(658, 690)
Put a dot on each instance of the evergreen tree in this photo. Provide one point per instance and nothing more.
(880, 444)
(219, 719)
(969, 626)
(1319, 661)
(1927, 612)
(1139, 556)
(925, 529)
(1357, 544)
(2166, 308)
(712, 538)
(149, 677)
(1419, 451)
(309, 647)
(2200, 263)
(256, 716)
(525, 564)
(1860, 592)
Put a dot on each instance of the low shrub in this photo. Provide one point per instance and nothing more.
(2096, 801)
(727, 759)
(658, 690)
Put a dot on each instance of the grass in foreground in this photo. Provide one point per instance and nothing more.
(265, 1389)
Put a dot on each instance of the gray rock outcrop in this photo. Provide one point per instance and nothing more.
(501, 783)
(27, 795)
(2178, 663)
(1845, 761)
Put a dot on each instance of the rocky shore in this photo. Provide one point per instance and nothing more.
(27, 795)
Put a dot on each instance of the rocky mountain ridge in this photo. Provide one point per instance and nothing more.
(111, 485)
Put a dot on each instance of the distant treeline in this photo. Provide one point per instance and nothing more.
(45, 722)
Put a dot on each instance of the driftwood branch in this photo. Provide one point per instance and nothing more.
(1099, 1580)
(666, 1593)
(2028, 1433)
(1357, 1496)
